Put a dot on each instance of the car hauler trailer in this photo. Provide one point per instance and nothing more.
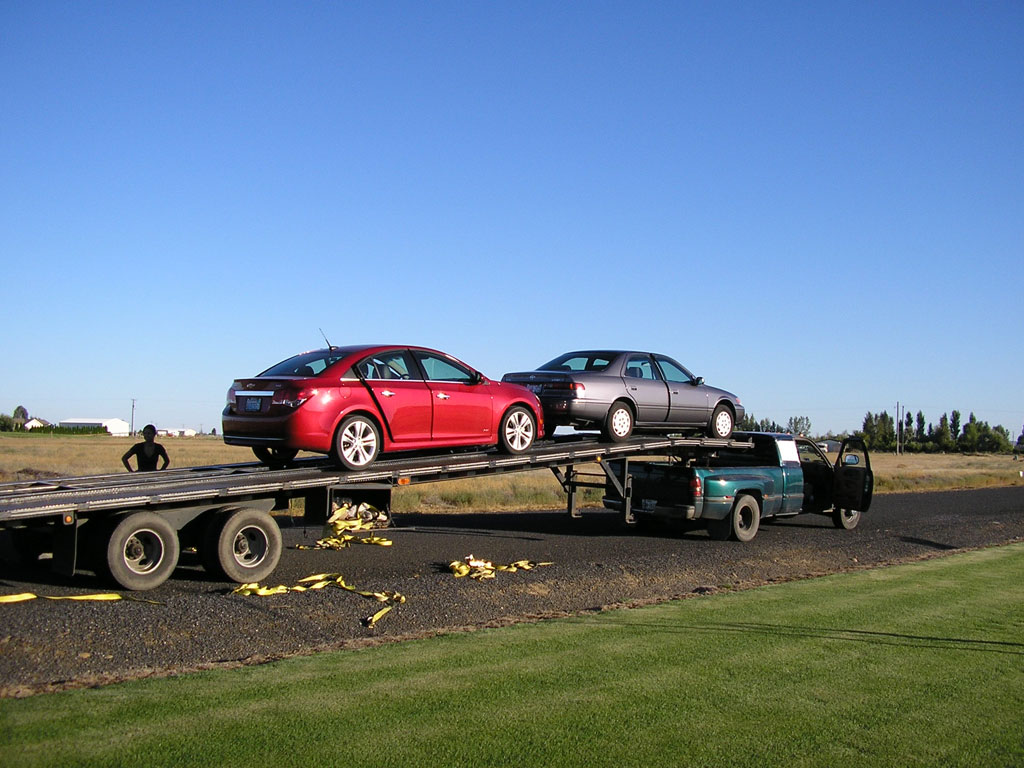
(132, 527)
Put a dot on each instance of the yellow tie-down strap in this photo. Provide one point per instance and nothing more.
(480, 570)
(320, 581)
(24, 597)
(343, 523)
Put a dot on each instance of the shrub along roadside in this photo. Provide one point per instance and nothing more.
(921, 664)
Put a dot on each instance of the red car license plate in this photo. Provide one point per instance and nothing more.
(253, 404)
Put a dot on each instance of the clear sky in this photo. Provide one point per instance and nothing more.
(818, 206)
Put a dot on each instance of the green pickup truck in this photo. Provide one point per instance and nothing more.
(732, 489)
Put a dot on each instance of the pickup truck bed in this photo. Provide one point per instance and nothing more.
(731, 490)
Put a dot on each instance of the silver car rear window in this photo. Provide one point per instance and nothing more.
(577, 361)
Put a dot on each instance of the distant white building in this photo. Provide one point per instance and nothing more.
(34, 422)
(176, 432)
(116, 427)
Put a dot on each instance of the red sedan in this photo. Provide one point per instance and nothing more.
(354, 403)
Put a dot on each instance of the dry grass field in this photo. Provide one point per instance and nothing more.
(27, 457)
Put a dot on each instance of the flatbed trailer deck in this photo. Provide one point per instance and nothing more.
(131, 527)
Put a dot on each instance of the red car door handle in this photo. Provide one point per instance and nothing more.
(443, 396)
(387, 393)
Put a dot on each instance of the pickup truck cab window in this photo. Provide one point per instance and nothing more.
(811, 454)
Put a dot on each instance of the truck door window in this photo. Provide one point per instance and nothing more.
(809, 454)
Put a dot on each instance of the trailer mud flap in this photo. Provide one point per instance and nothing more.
(65, 546)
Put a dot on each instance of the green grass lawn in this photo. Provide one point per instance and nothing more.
(921, 664)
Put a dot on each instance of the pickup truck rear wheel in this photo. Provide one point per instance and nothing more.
(846, 518)
(618, 425)
(740, 524)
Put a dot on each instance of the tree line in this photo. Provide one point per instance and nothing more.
(880, 432)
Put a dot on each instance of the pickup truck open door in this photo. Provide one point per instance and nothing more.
(853, 480)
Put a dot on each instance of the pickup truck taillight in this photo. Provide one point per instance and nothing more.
(695, 487)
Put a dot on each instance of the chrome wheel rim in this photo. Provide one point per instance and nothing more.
(358, 443)
(519, 430)
(143, 551)
(250, 546)
(622, 422)
(723, 423)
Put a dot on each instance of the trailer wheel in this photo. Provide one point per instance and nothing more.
(846, 518)
(721, 423)
(274, 457)
(244, 546)
(518, 430)
(141, 551)
(618, 425)
(740, 524)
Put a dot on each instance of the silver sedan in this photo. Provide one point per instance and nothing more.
(620, 391)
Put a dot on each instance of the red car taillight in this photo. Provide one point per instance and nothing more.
(231, 396)
(292, 398)
(695, 487)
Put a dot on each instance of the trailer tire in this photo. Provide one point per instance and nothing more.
(208, 544)
(244, 546)
(742, 522)
(619, 423)
(141, 551)
(846, 519)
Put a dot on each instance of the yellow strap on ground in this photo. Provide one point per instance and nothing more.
(481, 570)
(320, 581)
(109, 597)
(20, 598)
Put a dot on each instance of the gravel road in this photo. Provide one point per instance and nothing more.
(50, 645)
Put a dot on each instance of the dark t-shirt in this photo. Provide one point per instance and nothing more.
(147, 463)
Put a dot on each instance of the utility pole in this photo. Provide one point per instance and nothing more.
(132, 428)
(899, 423)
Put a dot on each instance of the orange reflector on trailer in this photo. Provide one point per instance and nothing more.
(403, 481)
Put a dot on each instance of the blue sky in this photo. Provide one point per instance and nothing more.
(817, 206)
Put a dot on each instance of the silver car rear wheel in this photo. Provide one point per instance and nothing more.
(619, 424)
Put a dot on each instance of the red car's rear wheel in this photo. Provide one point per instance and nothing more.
(357, 442)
